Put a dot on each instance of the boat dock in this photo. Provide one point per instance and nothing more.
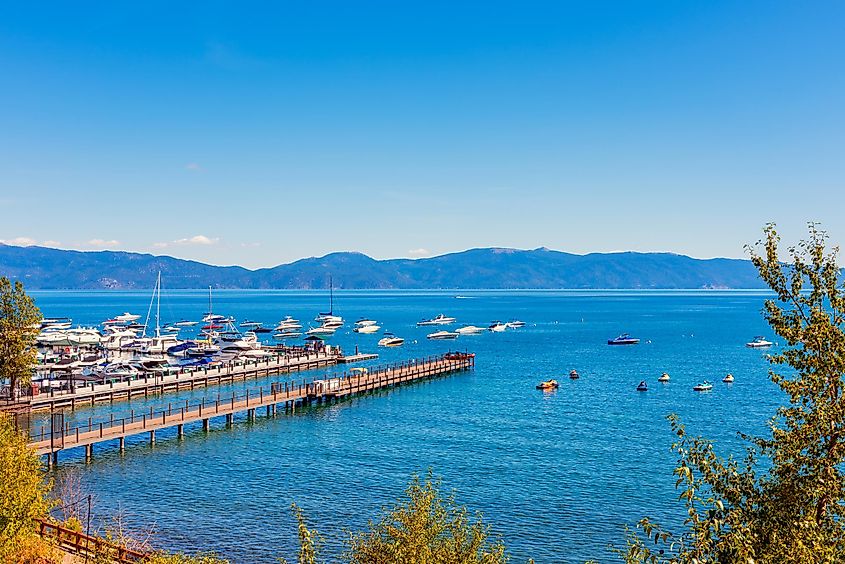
(188, 379)
(289, 395)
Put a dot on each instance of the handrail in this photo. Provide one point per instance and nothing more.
(282, 391)
(80, 543)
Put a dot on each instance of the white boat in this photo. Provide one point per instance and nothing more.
(515, 324)
(439, 320)
(323, 318)
(288, 326)
(367, 329)
(365, 322)
(759, 342)
(287, 335)
(185, 323)
(333, 323)
(497, 327)
(391, 340)
(248, 324)
(442, 335)
(127, 317)
(320, 331)
(470, 330)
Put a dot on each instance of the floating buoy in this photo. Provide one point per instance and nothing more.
(573, 374)
(728, 379)
(642, 387)
(663, 377)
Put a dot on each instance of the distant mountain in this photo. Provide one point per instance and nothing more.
(494, 268)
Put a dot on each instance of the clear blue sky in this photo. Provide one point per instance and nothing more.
(257, 133)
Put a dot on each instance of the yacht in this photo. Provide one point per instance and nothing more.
(185, 323)
(282, 335)
(391, 340)
(366, 329)
(248, 324)
(470, 330)
(703, 387)
(364, 322)
(261, 329)
(623, 339)
(497, 327)
(439, 320)
(441, 335)
(56, 323)
(515, 324)
(759, 342)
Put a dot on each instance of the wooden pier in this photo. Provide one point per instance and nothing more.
(288, 395)
(188, 379)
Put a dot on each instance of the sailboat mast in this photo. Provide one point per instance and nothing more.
(331, 296)
(158, 306)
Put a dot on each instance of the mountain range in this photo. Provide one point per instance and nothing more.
(493, 268)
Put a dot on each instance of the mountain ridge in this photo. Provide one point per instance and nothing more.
(482, 267)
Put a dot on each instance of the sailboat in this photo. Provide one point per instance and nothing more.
(210, 317)
(330, 318)
(159, 343)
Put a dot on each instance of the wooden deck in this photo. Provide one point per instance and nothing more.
(195, 377)
(288, 395)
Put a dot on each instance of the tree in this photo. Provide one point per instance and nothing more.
(23, 493)
(785, 501)
(19, 322)
(427, 529)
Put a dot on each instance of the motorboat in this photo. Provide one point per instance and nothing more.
(171, 329)
(213, 318)
(642, 387)
(470, 330)
(249, 324)
(515, 324)
(261, 329)
(439, 320)
(288, 320)
(180, 348)
(287, 335)
(442, 335)
(728, 379)
(704, 386)
(127, 317)
(203, 350)
(548, 385)
(366, 329)
(363, 322)
(573, 374)
(332, 323)
(320, 331)
(759, 342)
(56, 323)
(663, 377)
(185, 323)
(623, 339)
(286, 324)
(497, 327)
(391, 340)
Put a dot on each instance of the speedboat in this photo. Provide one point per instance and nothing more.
(515, 324)
(261, 329)
(548, 385)
(127, 317)
(497, 327)
(367, 329)
(623, 339)
(213, 318)
(185, 323)
(391, 340)
(365, 322)
(573, 374)
(439, 320)
(285, 325)
(320, 331)
(663, 377)
(470, 330)
(286, 335)
(642, 387)
(703, 387)
(728, 379)
(759, 342)
(249, 324)
(441, 335)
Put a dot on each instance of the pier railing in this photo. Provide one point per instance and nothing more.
(81, 544)
(61, 435)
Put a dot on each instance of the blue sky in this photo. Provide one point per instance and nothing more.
(257, 133)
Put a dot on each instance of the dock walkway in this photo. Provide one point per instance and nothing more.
(60, 437)
(188, 379)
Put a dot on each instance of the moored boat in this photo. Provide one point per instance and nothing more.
(759, 342)
(642, 387)
(548, 385)
(439, 320)
(391, 340)
(573, 374)
(623, 339)
(441, 335)
(728, 379)
(704, 386)
(470, 330)
(497, 327)
(663, 377)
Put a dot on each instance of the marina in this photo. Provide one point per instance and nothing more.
(60, 436)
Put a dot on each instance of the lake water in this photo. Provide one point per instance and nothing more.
(558, 475)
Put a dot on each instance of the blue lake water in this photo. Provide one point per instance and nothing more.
(558, 475)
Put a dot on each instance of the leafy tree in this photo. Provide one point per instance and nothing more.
(23, 494)
(19, 321)
(784, 501)
(426, 529)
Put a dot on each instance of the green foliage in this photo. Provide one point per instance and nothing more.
(793, 511)
(427, 529)
(23, 491)
(163, 558)
(19, 322)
